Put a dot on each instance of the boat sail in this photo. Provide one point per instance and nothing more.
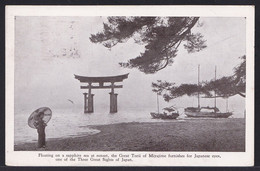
(206, 112)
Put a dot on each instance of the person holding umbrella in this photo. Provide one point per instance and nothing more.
(40, 126)
(38, 120)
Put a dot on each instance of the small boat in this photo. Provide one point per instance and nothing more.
(168, 112)
(164, 115)
(206, 112)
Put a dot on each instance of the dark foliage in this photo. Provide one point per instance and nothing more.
(232, 85)
(223, 87)
(161, 37)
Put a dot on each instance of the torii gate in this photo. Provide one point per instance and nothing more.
(89, 98)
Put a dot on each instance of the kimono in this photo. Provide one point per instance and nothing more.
(40, 126)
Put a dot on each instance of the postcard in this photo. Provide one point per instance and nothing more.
(129, 85)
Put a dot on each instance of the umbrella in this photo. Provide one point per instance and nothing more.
(35, 116)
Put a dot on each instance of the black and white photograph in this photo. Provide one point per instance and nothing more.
(158, 84)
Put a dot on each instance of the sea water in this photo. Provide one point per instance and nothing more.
(74, 122)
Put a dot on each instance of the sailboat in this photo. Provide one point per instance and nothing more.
(168, 112)
(205, 112)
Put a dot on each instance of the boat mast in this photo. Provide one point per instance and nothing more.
(227, 104)
(198, 86)
(158, 103)
(215, 99)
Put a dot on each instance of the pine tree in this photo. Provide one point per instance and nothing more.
(161, 37)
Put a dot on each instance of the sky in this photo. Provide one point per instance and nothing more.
(50, 50)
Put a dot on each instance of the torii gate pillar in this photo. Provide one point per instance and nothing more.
(85, 102)
(113, 102)
(88, 103)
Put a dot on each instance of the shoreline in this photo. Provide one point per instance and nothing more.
(190, 135)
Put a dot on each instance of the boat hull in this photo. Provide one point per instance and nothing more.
(207, 114)
(164, 116)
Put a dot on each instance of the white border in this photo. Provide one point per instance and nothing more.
(18, 158)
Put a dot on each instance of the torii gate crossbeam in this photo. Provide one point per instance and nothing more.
(89, 98)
